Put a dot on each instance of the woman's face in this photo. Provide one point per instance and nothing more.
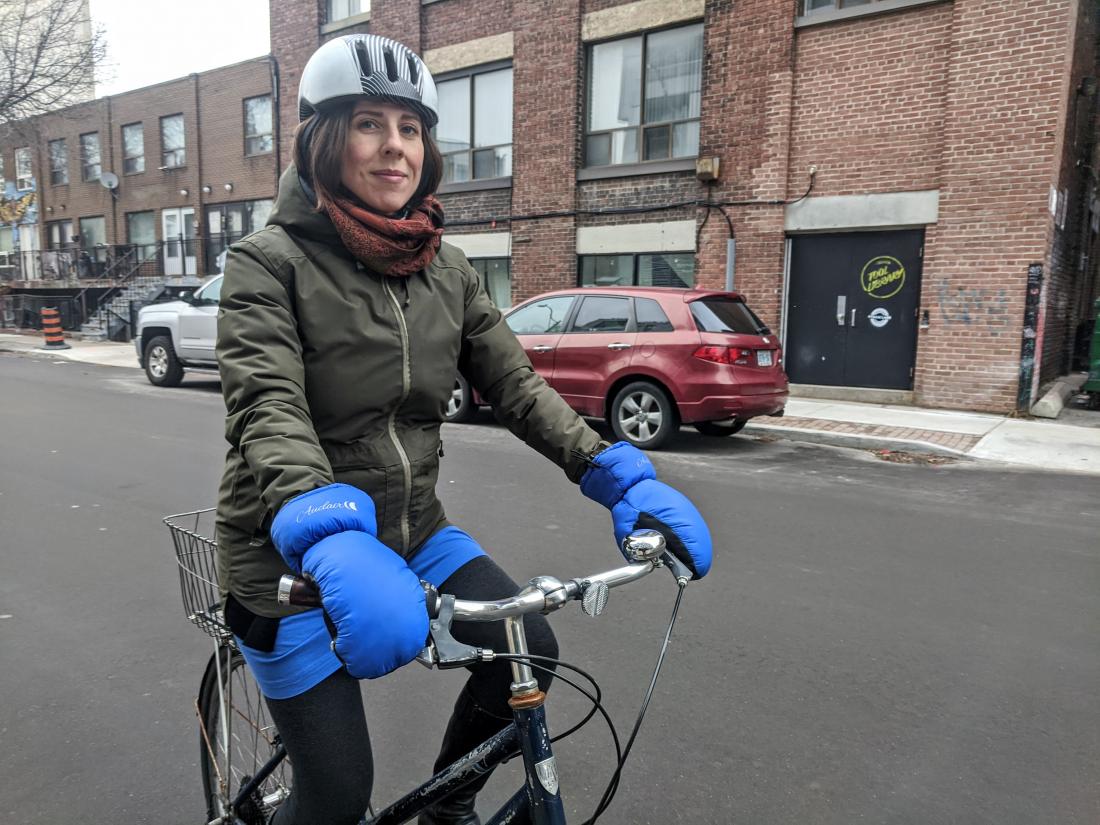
(384, 155)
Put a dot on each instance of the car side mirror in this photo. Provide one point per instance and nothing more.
(187, 297)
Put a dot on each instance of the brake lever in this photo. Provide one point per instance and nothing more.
(680, 571)
(444, 650)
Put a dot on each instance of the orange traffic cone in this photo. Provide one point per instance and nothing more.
(51, 328)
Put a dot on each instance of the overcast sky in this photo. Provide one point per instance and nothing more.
(155, 40)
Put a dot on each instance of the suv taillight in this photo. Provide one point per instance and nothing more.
(724, 355)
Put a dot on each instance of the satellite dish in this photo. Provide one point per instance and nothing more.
(109, 180)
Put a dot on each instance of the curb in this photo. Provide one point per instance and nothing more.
(853, 440)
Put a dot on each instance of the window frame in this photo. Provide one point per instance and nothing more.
(165, 152)
(84, 165)
(500, 181)
(59, 172)
(330, 19)
(666, 164)
(140, 126)
(24, 183)
(269, 134)
(835, 13)
(636, 259)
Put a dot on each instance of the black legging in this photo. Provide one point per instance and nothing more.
(325, 728)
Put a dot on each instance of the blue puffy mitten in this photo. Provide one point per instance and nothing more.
(622, 479)
(373, 601)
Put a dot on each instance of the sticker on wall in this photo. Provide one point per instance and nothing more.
(879, 317)
(882, 277)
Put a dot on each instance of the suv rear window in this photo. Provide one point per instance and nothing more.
(726, 315)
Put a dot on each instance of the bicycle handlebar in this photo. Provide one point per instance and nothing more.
(645, 550)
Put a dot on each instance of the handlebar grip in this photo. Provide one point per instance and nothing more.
(303, 592)
(298, 591)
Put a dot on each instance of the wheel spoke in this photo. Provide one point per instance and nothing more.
(630, 405)
(646, 401)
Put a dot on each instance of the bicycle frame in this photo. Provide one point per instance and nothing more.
(538, 802)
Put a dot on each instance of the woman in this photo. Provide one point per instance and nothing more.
(341, 328)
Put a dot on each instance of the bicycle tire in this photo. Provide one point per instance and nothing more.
(252, 735)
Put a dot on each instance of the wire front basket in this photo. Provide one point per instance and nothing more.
(196, 557)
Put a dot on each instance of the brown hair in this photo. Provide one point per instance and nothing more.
(319, 143)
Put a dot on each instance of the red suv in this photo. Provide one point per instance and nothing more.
(649, 359)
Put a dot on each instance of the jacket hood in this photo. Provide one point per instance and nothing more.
(295, 212)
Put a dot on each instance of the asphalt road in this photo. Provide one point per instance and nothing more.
(877, 642)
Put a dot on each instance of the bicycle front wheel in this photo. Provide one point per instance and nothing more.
(237, 737)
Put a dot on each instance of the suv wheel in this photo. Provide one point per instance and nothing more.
(721, 428)
(460, 406)
(643, 414)
(162, 367)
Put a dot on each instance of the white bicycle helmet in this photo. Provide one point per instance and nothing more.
(358, 65)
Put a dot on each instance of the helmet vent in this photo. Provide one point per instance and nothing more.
(391, 65)
(362, 58)
(413, 74)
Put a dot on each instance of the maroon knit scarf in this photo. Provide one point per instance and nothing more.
(392, 246)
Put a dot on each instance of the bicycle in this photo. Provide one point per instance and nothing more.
(244, 763)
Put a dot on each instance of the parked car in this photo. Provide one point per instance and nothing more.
(649, 359)
(178, 335)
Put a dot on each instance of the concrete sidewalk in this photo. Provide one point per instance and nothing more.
(1070, 444)
(1040, 444)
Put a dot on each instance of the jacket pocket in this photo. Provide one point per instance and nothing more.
(372, 481)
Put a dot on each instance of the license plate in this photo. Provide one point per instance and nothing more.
(764, 358)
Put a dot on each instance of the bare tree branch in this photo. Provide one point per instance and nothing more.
(49, 53)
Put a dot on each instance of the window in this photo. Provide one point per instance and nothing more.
(141, 233)
(645, 97)
(810, 6)
(602, 313)
(211, 293)
(545, 316)
(474, 132)
(650, 317)
(93, 232)
(172, 154)
(24, 176)
(133, 149)
(339, 9)
(92, 261)
(90, 167)
(496, 276)
(59, 234)
(59, 162)
(227, 223)
(726, 315)
(2, 181)
(669, 269)
(257, 125)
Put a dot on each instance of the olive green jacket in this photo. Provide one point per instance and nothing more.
(332, 372)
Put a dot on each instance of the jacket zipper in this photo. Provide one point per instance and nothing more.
(406, 385)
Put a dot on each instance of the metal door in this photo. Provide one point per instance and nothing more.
(852, 308)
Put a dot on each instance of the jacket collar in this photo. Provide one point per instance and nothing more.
(295, 212)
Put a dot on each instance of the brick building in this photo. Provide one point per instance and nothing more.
(905, 190)
(891, 170)
(158, 180)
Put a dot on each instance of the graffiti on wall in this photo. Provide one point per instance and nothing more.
(968, 306)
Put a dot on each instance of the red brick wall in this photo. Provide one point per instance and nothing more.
(78, 198)
(295, 34)
(747, 81)
(868, 105)
(397, 19)
(1068, 292)
(547, 56)
(457, 21)
(221, 95)
(1000, 127)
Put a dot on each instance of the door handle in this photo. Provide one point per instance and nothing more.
(853, 317)
(841, 307)
(542, 348)
(618, 345)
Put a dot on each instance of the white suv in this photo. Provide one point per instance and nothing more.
(178, 334)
